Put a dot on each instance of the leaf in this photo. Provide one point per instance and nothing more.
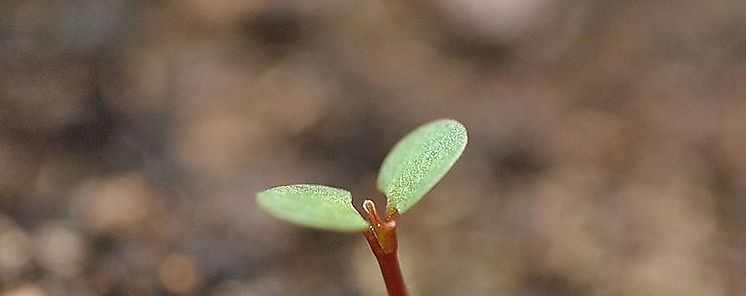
(419, 161)
(316, 206)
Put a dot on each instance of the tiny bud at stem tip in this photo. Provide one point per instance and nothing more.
(370, 209)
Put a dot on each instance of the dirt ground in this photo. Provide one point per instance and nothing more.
(607, 149)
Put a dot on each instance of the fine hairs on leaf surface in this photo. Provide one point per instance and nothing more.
(316, 206)
(412, 168)
(419, 161)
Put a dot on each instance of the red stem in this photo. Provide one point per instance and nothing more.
(381, 237)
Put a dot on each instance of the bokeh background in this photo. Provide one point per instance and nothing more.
(607, 150)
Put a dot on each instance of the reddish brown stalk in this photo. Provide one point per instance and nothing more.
(381, 237)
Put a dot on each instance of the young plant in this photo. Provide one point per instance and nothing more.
(410, 170)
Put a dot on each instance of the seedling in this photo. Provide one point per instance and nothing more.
(409, 172)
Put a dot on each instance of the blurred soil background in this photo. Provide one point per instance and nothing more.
(607, 150)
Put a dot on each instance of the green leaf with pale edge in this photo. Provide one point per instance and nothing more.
(419, 161)
(316, 206)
